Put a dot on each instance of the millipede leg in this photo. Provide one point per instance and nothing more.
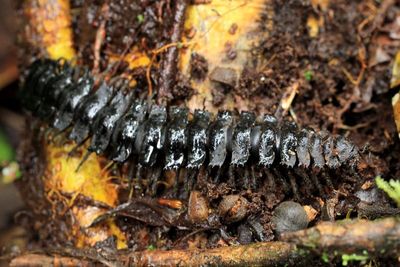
(308, 185)
(131, 177)
(317, 183)
(138, 186)
(189, 182)
(218, 175)
(253, 178)
(246, 178)
(270, 179)
(154, 177)
(62, 132)
(231, 176)
(107, 167)
(175, 185)
(293, 185)
(73, 150)
(85, 157)
(327, 179)
(58, 139)
(184, 189)
(278, 175)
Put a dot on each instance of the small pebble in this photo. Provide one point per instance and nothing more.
(289, 216)
(233, 208)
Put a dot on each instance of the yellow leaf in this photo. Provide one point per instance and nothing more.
(395, 81)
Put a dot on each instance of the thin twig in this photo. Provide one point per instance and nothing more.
(169, 64)
(100, 35)
(258, 254)
(148, 70)
(350, 236)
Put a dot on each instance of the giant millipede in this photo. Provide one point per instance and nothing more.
(127, 129)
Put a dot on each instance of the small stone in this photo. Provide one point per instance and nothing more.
(225, 76)
(289, 216)
(233, 208)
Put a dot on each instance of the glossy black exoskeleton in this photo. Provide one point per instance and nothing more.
(122, 128)
(220, 132)
(347, 152)
(331, 159)
(59, 84)
(241, 140)
(268, 141)
(87, 111)
(150, 141)
(198, 139)
(69, 100)
(126, 131)
(288, 144)
(106, 119)
(175, 148)
(40, 74)
(36, 69)
(302, 150)
(316, 150)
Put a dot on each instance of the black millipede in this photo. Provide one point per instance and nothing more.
(155, 137)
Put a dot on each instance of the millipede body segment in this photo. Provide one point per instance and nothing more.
(125, 128)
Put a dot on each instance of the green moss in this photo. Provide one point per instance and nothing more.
(140, 18)
(9, 169)
(346, 258)
(6, 151)
(151, 247)
(308, 75)
(392, 188)
(325, 257)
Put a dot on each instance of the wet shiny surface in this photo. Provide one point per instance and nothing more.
(126, 130)
(267, 143)
(219, 138)
(302, 152)
(69, 100)
(198, 138)
(106, 120)
(241, 142)
(154, 136)
(87, 110)
(176, 138)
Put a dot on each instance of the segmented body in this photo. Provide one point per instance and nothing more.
(123, 128)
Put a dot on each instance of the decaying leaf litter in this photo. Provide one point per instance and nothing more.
(322, 65)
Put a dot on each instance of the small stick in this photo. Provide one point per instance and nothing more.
(100, 36)
(350, 236)
(258, 254)
(374, 237)
(169, 64)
